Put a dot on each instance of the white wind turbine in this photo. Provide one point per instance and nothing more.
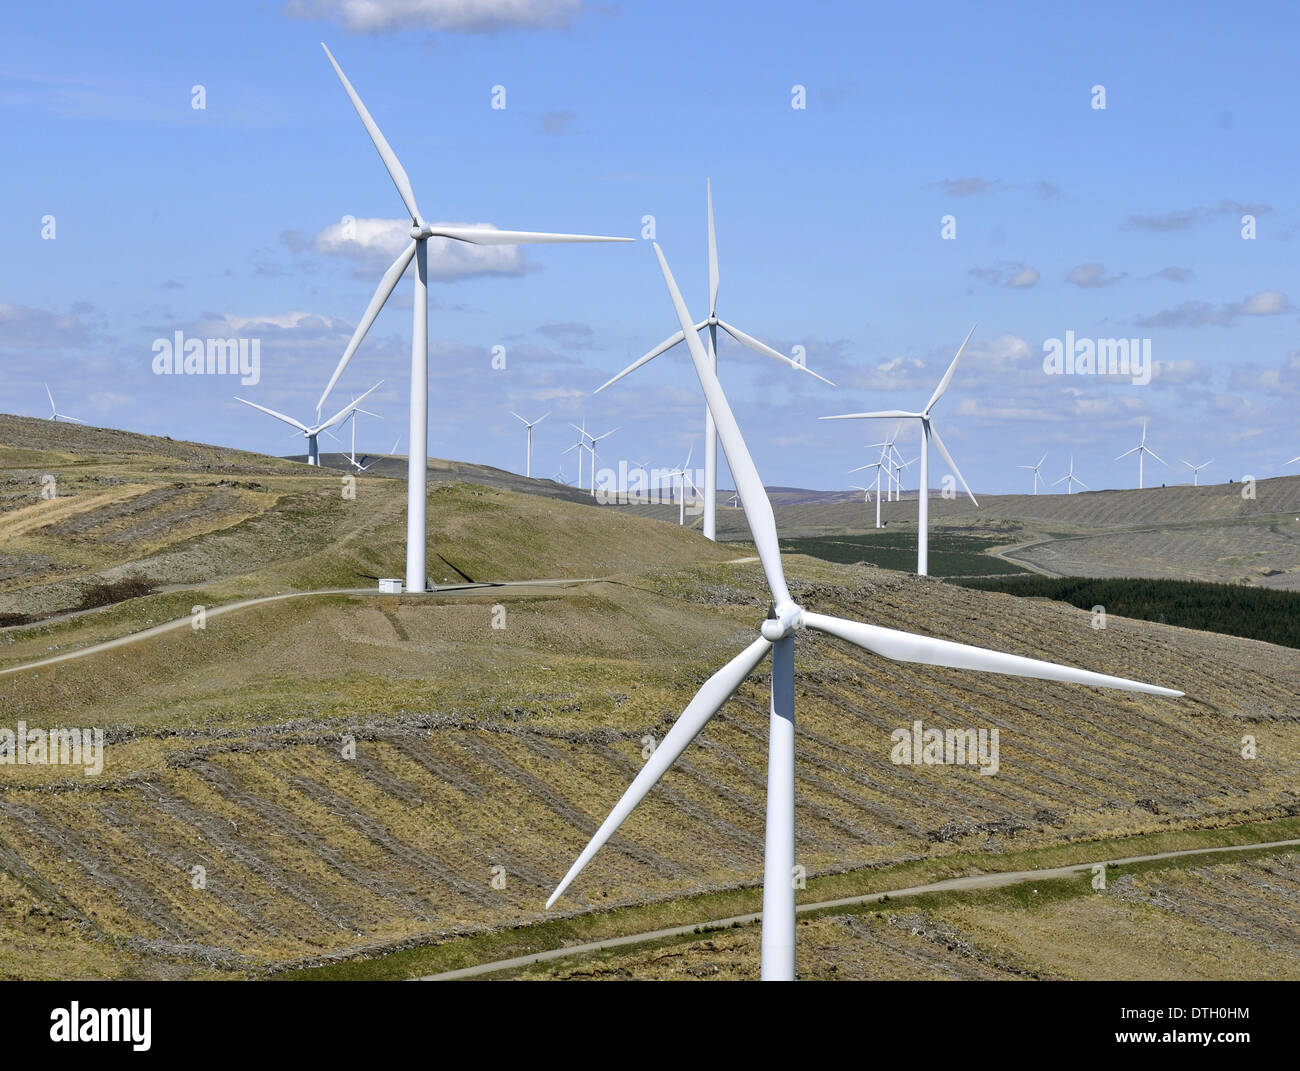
(682, 476)
(928, 432)
(1141, 450)
(1196, 470)
(777, 634)
(587, 442)
(1038, 477)
(312, 431)
(417, 250)
(55, 414)
(529, 427)
(879, 466)
(352, 457)
(712, 322)
(1070, 479)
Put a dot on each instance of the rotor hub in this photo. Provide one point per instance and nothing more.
(781, 621)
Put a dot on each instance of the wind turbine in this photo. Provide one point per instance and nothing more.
(866, 492)
(1141, 450)
(735, 501)
(529, 427)
(1035, 470)
(777, 634)
(928, 431)
(1070, 479)
(712, 322)
(313, 450)
(879, 466)
(352, 457)
(683, 476)
(55, 414)
(1196, 470)
(417, 250)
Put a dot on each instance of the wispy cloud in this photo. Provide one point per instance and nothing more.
(1092, 275)
(1182, 219)
(1205, 314)
(447, 16)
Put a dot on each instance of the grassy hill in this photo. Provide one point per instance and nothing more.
(349, 771)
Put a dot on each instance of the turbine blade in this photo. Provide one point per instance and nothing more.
(386, 286)
(278, 416)
(707, 702)
(1127, 452)
(874, 416)
(395, 169)
(517, 417)
(1155, 455)
(947, 376)
(713, 256)
(760, 347)
(749, 485)
(663, 347)
(492, 236)
(349, 407)
(909, 647)
(938, 441)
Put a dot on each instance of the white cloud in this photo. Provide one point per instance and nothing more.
(448, 16)
(1177, 373)
(1265, 303)
(378, 242)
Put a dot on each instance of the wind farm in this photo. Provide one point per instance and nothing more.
(775, 695)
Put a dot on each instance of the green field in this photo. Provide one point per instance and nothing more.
(950, 555)
(1254, 613)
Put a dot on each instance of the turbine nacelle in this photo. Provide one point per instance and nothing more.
(785, 619)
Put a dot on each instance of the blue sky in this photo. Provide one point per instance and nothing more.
(1124, 222)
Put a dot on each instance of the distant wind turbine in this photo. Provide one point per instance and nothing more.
(360, 466)
(1141, 450)
(310, 433)
(712, 322)
(529, 462)
(777, 634)
(683, 476)
(879, 466)
(417, 467)
(928, 432)
(1070, 479)
(1196, 470)
(1035, 470)
(55, 414)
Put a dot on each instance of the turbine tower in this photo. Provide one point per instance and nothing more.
(1141, 450)
(55, 414)
(312, 431)
(417, 250)
(712, 323)
(529, 462)
(1035, 470)
(1196, 470)
(928, 431)
(1070, 479)
(777, 634)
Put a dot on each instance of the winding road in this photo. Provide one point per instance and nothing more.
(977, 881)
(244, 604)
